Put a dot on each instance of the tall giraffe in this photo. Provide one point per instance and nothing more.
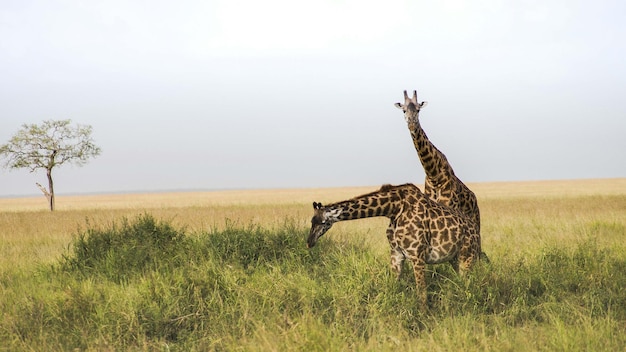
(421, 229)
(441, 184)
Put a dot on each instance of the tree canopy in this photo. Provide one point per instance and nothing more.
(47, 145)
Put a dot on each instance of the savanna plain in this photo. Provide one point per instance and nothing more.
(229, 270)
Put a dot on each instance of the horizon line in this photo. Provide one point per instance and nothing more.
(191, 190)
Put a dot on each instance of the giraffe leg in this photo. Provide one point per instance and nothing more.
(455, 264)
(419, 268)
(465, 264)
(469, 254)
(397, 256)
(420, 281)
(397, 259)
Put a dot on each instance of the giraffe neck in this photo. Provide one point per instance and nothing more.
(435, 163)
(381, 203)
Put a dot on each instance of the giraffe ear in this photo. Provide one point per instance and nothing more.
(398, 105)
(317, 205)
(423, 104)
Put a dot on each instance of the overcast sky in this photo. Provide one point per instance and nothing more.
(280, 93)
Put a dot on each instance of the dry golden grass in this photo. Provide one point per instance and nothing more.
(181, 199)
(515, 215)
(550, 189)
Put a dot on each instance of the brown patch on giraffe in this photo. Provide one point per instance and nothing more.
(440, 223)
(407, 242)
(444, 235)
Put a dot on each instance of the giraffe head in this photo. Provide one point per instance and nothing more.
(321, 222)
(411, 107)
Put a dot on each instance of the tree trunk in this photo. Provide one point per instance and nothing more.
(44, 191)
(50, 194)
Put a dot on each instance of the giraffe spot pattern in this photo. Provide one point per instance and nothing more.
(420, 228)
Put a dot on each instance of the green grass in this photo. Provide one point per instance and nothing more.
(142, 284)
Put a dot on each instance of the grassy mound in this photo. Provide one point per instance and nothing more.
(122, 252)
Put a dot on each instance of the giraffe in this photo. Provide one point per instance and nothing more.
(422, 230)
(441, 184)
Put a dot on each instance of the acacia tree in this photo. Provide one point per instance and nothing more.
(48, 145)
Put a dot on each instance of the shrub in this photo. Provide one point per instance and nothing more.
(124, 251)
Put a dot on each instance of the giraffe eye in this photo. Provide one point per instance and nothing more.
(315, 221)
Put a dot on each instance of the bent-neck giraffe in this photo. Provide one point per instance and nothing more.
(441, 184)
(421, 229)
